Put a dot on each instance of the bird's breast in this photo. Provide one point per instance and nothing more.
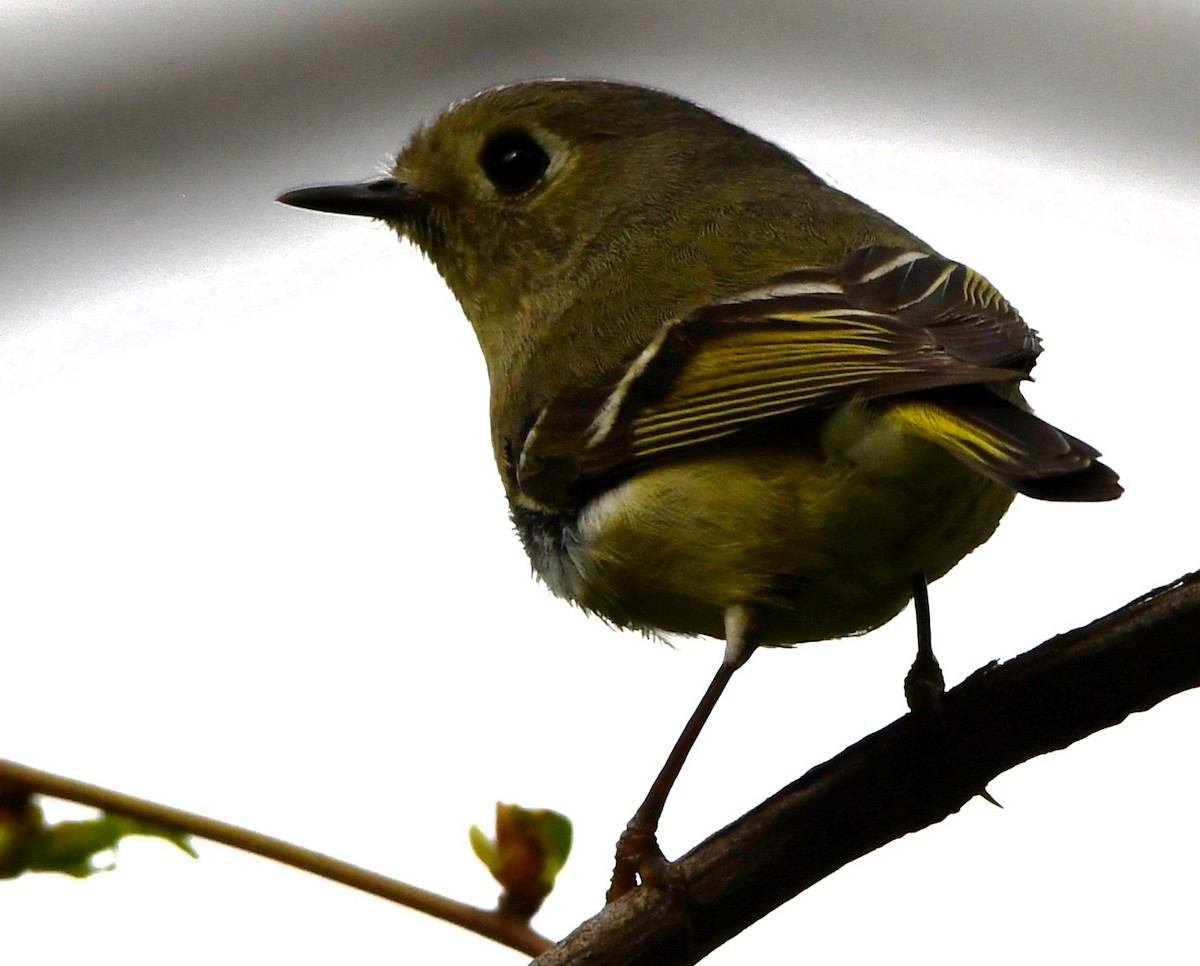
(825, 540)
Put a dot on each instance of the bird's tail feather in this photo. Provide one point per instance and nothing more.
(1009, 444)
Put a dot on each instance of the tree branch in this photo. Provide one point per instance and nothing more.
(507, 930)
(903, 778)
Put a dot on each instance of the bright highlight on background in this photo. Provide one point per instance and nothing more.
(256, 563)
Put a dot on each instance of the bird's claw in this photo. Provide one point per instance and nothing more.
(638, 857)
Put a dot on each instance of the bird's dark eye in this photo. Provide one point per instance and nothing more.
(513, 161)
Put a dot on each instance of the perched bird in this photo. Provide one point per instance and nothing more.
(726, 398)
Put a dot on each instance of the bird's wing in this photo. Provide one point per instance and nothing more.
(886, 322)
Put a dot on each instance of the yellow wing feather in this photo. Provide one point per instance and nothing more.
(887, 324)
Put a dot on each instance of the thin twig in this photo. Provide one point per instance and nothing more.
(486, 922)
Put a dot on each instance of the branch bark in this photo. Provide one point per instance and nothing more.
(903, 778)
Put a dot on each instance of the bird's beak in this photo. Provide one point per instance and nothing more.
(383, 198)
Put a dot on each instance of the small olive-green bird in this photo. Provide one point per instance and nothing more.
(726, 398)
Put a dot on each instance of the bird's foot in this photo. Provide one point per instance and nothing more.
(925, 687)
(639, 858)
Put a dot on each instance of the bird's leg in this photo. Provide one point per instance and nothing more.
(638, 854)
(924, 684)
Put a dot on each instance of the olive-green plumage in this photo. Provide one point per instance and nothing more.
(726, 398)
(715, 379)
(651, 207)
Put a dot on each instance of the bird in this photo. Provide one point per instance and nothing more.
(727, 399)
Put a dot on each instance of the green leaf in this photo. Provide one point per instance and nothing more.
(530, 849)
(29, 844)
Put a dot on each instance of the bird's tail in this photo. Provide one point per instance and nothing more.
(1009, 444)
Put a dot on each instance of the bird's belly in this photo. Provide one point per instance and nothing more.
(826, 547)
